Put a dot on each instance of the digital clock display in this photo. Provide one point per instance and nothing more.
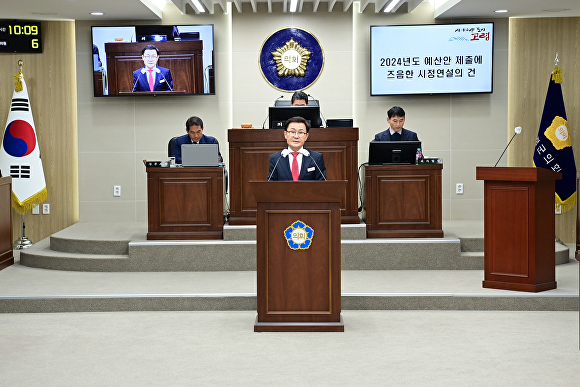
(20, 36)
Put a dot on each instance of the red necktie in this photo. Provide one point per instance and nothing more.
(295, 171)
(151, 83)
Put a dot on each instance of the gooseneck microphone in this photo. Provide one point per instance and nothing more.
(264, 123)
(321, 115)
(137, 80)
(307, 154)
(517, 131)
(284, 153)
(159, 72)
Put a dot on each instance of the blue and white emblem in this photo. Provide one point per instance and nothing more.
(299, 235)
(291, 59)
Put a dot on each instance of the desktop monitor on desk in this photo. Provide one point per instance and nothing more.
(279, 114)
(393, 152)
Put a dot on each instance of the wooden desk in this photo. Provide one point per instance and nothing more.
(250, 151)
(403, 201)
(184, 59)
(185, 203)
(6, 252)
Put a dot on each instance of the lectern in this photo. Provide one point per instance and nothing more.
(519, 228)
(6, 252)
(298, 255)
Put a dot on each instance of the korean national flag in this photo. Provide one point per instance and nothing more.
(20, 153)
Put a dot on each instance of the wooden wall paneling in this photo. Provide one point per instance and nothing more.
(51, 81)
(533, 44)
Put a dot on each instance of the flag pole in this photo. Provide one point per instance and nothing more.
(23, 242)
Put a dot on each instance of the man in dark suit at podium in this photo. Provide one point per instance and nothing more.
(151, 77)
(194, 129)
(396, 132)
(296, 162)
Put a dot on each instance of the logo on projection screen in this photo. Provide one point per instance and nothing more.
(291, 59)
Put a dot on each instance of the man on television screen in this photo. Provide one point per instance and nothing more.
(396, 132)
(194, 129)
(151, 77)
(296, 162)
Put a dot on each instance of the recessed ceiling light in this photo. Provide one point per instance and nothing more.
(97, 13)
(556, 10)
(501, 10)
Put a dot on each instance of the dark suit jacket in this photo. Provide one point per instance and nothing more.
(186, 140)
(406, 135)
(308, 170)
(162, 82)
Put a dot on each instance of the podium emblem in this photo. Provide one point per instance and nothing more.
(299, 235)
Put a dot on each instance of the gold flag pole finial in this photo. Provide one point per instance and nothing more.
(18, 77)
(557, 73)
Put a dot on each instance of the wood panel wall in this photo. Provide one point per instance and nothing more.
(51, 81)
(533, 44)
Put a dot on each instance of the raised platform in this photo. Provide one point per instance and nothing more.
(119, 270)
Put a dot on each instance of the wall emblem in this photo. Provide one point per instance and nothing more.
(299, 235)
(291, 59)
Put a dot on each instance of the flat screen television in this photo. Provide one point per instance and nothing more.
(393, 152)
(279, 114)
(431, 59)
(178, 60)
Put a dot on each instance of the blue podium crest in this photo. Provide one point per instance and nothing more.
(299, 235)
(291, 59)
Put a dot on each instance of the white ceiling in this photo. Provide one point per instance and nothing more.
(147, 10)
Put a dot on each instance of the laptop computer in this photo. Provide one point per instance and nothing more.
(199, 155)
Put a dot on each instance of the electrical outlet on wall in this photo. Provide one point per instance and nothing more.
(45, 209)
(116, 190)
(459, 188)
(36, 210)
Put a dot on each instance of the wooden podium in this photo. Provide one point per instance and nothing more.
(519, 228)
(6, 252)
(403, 201)
(298, 284)
(185, 203)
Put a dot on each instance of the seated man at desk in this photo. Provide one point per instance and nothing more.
(299, 98)
(194, 129)
(396, 132)
(296, 162)
(151, 77)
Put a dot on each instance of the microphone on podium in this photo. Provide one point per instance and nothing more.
(307, 154)
(284, 153)
(517, 131)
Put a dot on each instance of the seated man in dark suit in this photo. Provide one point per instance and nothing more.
(194, 129)
(296, 162)
(396, 132)
(151, 77)
(299, 98)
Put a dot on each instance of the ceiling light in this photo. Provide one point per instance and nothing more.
(97, 13)
(293, 5)
(556, 10)
(501, 10)
(198, 6)
(392, 5)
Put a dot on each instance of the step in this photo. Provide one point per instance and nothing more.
(30, 290)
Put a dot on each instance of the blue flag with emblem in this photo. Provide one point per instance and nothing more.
(554, 145)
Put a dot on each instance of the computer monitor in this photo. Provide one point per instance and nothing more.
(393, 152)
(282, 102)
(279, 114)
